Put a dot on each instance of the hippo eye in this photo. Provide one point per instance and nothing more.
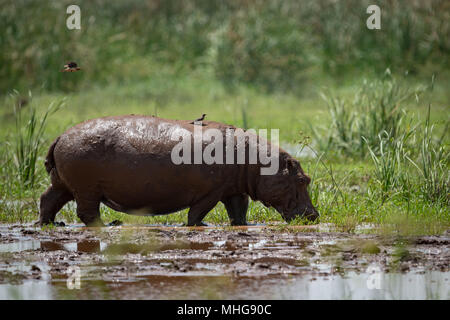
(292, 166)
(304, 179)
(308, 180)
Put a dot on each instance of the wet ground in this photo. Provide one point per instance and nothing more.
(256, 262)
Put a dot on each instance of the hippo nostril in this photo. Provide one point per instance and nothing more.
(311, 214)
(307, 212)
(314, 215)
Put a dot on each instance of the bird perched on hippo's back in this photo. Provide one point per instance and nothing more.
(199, 120)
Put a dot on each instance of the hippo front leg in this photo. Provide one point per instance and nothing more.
(88, 212)
(237, 206)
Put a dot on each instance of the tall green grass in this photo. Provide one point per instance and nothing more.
(415, 164)
(409, 174)
(22, 172)
(390, 162)
(433, 163)
(25, 143)
(377, 108)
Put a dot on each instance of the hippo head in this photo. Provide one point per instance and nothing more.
(287, 192)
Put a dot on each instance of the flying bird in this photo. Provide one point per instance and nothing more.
(71, 67)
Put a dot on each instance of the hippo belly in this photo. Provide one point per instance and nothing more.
(139, 186)
(153, 190)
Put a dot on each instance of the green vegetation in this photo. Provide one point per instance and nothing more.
(28, 142)
(370, 107)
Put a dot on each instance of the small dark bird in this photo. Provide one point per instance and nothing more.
(71, 67)
(199, 119)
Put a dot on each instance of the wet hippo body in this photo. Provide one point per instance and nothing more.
(125, 162)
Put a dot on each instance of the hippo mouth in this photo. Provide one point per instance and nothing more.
(309, 213)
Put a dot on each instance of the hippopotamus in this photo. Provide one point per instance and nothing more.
(126, 163)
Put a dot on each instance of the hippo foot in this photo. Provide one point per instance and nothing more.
(95, 224)
(115, 223)
(198, 224)
(50, 223)
(238, 224)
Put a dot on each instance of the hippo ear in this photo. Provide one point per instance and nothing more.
(291, 166)
(304, 179)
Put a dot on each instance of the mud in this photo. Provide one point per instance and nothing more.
(256, 262)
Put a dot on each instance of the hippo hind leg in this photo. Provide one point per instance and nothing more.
(88, 210)
(237, 206)
(52, 201)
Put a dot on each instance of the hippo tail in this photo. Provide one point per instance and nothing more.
(50, 160)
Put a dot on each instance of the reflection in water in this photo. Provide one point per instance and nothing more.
(28, 290)
(18, 246)
(88, 246)
(52, 246)
(429, 285)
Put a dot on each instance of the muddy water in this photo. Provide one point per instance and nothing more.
(148, 262)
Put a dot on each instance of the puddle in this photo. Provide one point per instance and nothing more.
(298, 151)
(133, 262)
(19, 246)
(26, 291)
(257, 245)
(87, 246)
(430, 285)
